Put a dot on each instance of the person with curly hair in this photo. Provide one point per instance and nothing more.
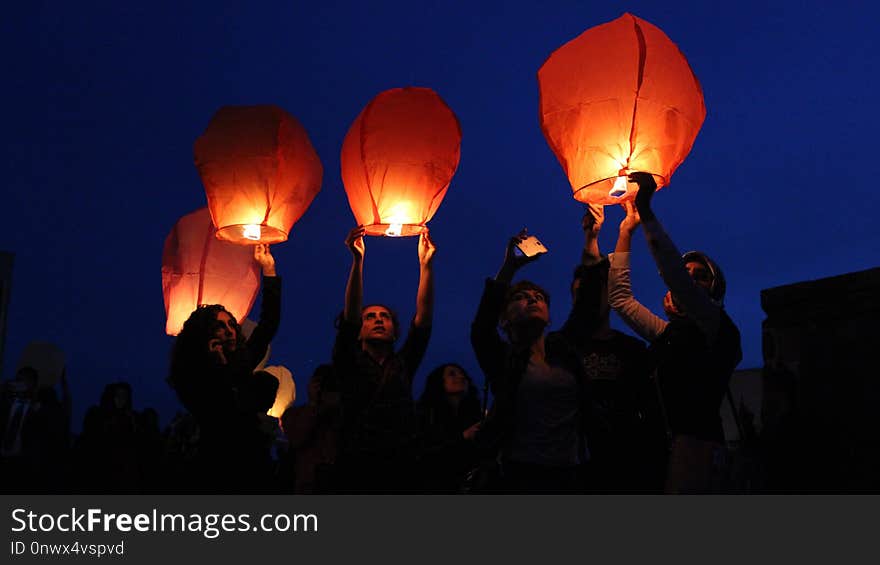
(212, 372)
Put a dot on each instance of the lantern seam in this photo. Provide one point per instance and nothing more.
(210, 235)
(641, 77)
(279, 164)
(362, 144)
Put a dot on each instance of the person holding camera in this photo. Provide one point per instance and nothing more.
(540, 388)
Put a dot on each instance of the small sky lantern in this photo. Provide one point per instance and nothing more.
(617, 99)
(198, 269)
(286, 394)
(398, 159)
(260, 172)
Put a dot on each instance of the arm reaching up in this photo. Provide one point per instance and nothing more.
(425, 295)
(354, 290)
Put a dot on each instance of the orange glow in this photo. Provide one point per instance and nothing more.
(198, 269)
(398, 159)
(286, 394)
(619, 98)
(252, 232)
(259, 170)
(619, 188)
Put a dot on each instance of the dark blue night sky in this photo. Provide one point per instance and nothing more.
(103, 100)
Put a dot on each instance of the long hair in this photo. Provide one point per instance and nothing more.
(191, 346)
(434, 395)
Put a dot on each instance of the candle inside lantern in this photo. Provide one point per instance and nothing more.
(619, 188)
(252, 232)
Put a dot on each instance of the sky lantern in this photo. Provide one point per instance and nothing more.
(199, 269)
(286, 394)
(260, 172)
(398, 159)
(617, 99)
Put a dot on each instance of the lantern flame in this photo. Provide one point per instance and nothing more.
(619, 188)
(394, 230)
(252, 232)
(400, 214)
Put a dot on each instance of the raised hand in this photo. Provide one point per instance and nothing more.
(513, 260)
(647, 187)
(263, 256)
(426, 249)
(355, 242)
(593, 219)
(631, 221)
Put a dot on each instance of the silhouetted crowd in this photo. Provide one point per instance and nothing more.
(582, 409)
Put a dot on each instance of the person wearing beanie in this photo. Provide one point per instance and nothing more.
(695, 349)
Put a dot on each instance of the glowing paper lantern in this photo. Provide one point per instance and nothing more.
(398, 159)
(286, 394)
(199, 269)
(259, 170)
(619, 98)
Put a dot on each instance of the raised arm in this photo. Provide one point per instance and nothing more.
(620, 296)
(425, 295)
(490, 349)
(592, 225)
(694, 300)
(513, 262)
(588, 284)
(270, 309)
(354, 290)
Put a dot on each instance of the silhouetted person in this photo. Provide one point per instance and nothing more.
(212, 371)
(33, 435)
(181, 454)
(116, 451)
(626, 434)
(695, 351)
(379, 437)
(449, 413)
(539, 384)
(313, 431)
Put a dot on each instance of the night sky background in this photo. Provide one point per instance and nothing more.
(103, 101)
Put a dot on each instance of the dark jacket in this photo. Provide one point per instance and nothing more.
(504, 367)
(225, 400)
(694, 375)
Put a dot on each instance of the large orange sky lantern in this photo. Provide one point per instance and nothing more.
(199, 269)
(259, 170)
(398, 159)
(619, 98)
